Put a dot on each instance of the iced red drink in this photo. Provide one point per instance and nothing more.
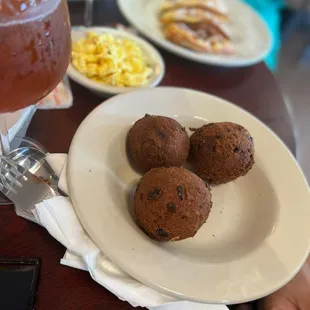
(35, 46)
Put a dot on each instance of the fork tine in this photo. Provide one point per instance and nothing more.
(15, 168)
(9, 176)
(7, 186)
(7, 183)
(3, 189)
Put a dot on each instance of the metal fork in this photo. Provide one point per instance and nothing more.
(21, 186)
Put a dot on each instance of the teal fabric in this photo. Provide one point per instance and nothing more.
(269, 10)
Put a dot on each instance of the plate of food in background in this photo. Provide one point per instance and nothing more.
(218, 32)
(190, 195)
(110, 61)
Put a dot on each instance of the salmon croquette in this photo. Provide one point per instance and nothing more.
(221, 152)
(171, 203)
(158, 141)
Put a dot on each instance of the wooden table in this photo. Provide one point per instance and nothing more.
(253, 88)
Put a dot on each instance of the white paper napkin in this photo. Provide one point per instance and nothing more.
(57, 215)
(60, 98)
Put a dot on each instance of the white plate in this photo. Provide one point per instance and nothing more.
(258, 233)
(152, 55)
(249, 32)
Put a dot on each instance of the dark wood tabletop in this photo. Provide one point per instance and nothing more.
(253, 88)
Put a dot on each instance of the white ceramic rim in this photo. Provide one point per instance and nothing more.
(303, 251)
(188, 54)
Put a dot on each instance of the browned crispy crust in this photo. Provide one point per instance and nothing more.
(190, 16)
(221, 152)
(156, 141)
(171, 204)
(211, 29)
(181, 34)
(212, 6)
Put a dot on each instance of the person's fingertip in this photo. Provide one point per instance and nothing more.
(244, 307)
(268, 304)
(271, 308)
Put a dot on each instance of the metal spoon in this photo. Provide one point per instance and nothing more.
(34, 160)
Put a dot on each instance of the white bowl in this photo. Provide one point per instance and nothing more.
(153, 57)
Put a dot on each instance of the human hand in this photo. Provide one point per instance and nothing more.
(293, 296)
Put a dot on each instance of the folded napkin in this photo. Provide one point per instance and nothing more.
(58, 216)
(16, 123)
(60, 98)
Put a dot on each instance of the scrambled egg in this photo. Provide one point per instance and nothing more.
(110, 60)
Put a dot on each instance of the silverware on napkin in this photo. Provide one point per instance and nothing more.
(22, 187)
(34, 161)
